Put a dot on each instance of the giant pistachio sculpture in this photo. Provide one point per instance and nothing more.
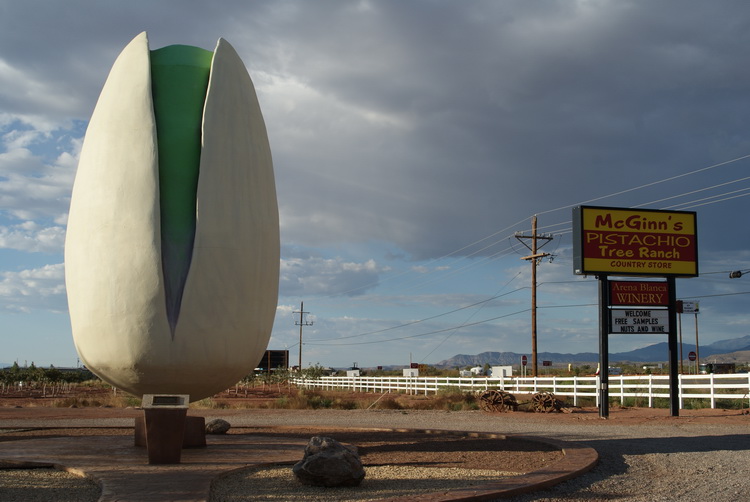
(172, 247)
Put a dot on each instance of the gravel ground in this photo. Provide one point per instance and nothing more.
(670, 459)
(665, 459)
(277, 484)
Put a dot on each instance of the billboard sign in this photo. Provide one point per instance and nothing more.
(651, 293)
(644, 242)
(639, 321)
(690, 307)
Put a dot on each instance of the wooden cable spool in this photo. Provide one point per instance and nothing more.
(497, 401)
(545, 402)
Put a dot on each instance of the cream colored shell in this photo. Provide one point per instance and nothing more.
(113, 249)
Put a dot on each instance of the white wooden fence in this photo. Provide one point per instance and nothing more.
(643, 388)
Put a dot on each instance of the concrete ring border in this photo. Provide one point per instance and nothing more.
(577, 460)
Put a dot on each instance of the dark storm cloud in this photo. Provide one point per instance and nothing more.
(503, 110)
(432, 124)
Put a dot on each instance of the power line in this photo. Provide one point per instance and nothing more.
(468, 319)
(411, 323)
(428, 333)
(696, 203)
(534, 258)
(653, 183)
(301, 323)
(697, 191)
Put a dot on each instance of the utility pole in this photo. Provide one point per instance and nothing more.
(534, 258)
(301, 323)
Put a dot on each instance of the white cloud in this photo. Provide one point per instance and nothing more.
(405, 136)
(321, 276)
(31, 187)
(33, 238)
(36, 289)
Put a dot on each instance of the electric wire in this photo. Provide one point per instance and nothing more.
(468, 319)
(411, 323)
(647, 185)
(428, 333)
(559, 232)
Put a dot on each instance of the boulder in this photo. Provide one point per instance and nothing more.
(217, 426)
(329, 463)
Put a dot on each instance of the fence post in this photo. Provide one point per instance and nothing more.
(598, 386)
(413, 385)
(651, 391)
(713, 391)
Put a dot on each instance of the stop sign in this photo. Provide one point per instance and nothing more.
(692, 356)
(524, 360)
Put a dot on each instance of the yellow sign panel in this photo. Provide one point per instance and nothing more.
(635, 242)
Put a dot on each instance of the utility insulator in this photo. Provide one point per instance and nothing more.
(736, 274)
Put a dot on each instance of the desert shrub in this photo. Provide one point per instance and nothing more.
(636, 402)
(209, 403)
(449, 391)
(587, 401)
(67, 402)
(449, 399)
(724, 404)
(388, 403)
(303, 400)
(344, 404)
(317, 401)
(108, 401)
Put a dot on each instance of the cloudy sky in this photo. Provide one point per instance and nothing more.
(411, 141)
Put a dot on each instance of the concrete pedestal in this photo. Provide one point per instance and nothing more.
(165, 433)
(165, 428)
(193, 437)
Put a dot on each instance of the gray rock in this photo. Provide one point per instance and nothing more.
(217, 426)
(329, 463)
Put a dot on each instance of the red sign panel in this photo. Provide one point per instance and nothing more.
(638, 293)
(524, 360)
(692, 356)
(634, 242)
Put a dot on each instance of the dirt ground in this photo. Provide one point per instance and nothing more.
(376, 448)
(102, 402)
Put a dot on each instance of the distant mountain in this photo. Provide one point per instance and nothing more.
(731, 345)
(659, 351)
(653, 353)
(510, 358)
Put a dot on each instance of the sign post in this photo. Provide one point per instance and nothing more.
(691, 307)
(635, 242)
(604, 320)
(674, 377)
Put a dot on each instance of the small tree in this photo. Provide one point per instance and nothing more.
(34, 374)
(52, 374)
(15, 374)
(313, 372)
